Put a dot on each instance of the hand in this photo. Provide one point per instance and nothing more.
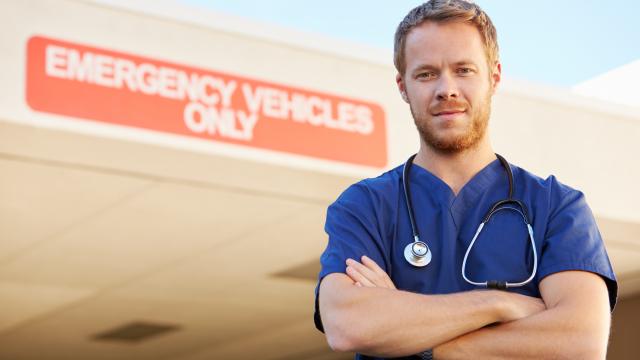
(368, 274)
(516, 306)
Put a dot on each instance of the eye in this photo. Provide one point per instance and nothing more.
(426, 75)
(464, 70)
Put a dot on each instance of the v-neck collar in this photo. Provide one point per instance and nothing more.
(467, 196)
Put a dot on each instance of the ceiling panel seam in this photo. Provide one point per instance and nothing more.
(164, 179)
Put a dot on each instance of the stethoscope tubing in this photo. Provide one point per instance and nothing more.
(506, 284)
(405, 179)
(423, 260)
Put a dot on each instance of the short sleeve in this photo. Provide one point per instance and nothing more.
(573, 242)
(353, 226)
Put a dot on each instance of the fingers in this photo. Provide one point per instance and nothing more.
(358, 277)
(382, 275)
(368, 273)
(359, 273)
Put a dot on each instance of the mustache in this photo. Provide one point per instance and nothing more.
(450, 105)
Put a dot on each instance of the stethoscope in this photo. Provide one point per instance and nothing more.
(418, 253)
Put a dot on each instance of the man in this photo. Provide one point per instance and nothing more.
(373, 300)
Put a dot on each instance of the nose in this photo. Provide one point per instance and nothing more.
(447, 88)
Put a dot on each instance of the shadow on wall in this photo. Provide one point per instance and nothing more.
(624, 330)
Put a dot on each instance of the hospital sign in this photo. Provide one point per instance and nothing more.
(93, 84)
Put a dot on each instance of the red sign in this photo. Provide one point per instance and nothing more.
(117, 88)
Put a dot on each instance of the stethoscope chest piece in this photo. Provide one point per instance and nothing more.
(417, 254)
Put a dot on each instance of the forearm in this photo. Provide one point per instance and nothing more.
(392, 323)
(557, 333)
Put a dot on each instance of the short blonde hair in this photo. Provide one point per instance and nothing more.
(441, 11)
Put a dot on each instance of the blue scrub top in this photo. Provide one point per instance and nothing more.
(371, 218)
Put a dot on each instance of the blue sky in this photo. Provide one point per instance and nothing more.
(556, 42)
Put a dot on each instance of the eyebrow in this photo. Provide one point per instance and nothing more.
(465, 62)
(424, 67)
(432, 67)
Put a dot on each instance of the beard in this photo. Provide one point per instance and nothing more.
(452, 144)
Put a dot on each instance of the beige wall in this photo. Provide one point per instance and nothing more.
(624, 331)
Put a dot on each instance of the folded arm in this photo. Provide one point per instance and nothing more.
(383, 321)
(574, 326)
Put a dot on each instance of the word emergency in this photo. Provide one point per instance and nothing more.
(223, 105)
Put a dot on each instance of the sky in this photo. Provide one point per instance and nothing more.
(554, 42)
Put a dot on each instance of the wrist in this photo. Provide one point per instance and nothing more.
(504, 307)
(495, 305)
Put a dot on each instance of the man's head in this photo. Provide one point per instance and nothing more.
(442, 11)
(447, 59)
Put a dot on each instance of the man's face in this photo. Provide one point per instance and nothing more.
(448, 84)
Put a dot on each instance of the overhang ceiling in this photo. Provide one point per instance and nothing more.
(87, 248)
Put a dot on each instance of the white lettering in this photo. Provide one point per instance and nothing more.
(223, 120)
(208, 98)
(103, 70)
(146, 79)
(226, 90)
(252, 99)
(248, 122)
(227, 123)
(210, 108)
(298, 107)
(365, 121)
(314, 118)
(124, 71)
(194, 117)
(167, 83)
(79, 68)
(55, 61)
(188, 86)
(275, 104)
(329, 121)
(346, 115)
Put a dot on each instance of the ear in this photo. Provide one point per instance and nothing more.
(496, 76)
(402, 88)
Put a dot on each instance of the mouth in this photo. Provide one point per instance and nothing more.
(449, 118)
(449, 112)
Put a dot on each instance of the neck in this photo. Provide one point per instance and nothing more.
(455, 169)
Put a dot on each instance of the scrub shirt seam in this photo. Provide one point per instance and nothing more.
(608, 277)
(575, 265)
(482, 183)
